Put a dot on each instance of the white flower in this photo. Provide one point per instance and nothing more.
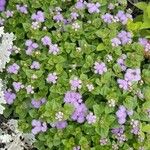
(59, 116)
(6, 138)
(5, 46)
(2, 100)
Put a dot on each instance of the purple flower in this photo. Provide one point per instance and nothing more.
(80, 4)
(125, 37)
(76, 148)
(135, 127)
(54, 49)
(38, 16)
(35, 65)
(46, 40)
(72, 97)
(9, 97)
(111, 6)
(2, 5)
(91, 118)
(121, 114)
(145, 43)
(14, 68)
(74, 15)
(38, 127)
(29, 89)
(123, 84)
(75, 83)
(108, 18)
(38, 103)
(93, 8)
(133, 75)
(9, 13)
(52, 78)
(22, 9)
(100, 68)
(123, 18)
(115, 42)
(30, 46)
(80, 112)
(60, 124)
(121, 62)
(17, 86)
(58, 17)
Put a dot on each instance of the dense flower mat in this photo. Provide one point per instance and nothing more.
(76, 75)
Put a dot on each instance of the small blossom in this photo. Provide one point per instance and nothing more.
(22, 9)
(91, 118)
(52, 78)
(46, 40)
(103, 141)
(100, 68)
(9, 97)
(74, 15)
(108, 18)
(29, 89)
(54, 49)
(58, 17)
(35, 25)
(93, 8)
(75, 83)
(115, 42)
(90, 87)
(109, 58)
(35, 65)
(17, 86)
(59, 116)
(14, 68)
(9, 13)
(38, 16)
(75, 26)
(111, 103)
(80, 4)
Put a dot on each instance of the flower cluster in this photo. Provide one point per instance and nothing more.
(77, 74)
(38, 126)
(2, 5)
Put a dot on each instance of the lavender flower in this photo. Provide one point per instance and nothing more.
(58, 17)
(22, 9)
(76, 148)
(93, 8)
(2, 5)
(60, 124)
(38, 103)
(75, 83)
(46, 40)
(123, 84)
(9, 14)
(133, 75)
(14, 68)
(108, 18)
(52, 78)
(80, 4)
(121, 62)
(38, 16)
(135, 127)
(115, 42)
(121, 114)
(9, 97)
(54, 49)
(74, 15)
(17, 86)
(38, 127)
(91, 118)
(72, 97)
(100, 68)
(29, 89)
(35, 65)
(30, 46)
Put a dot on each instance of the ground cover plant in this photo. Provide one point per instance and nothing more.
(78, 75)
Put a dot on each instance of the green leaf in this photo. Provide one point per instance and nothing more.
(146, 128)
(98, 109)
(141, 5)
(100, 47)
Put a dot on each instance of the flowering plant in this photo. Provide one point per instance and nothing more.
(77, 78)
